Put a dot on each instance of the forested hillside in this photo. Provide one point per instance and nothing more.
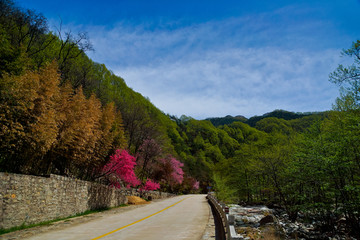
(308, 165)
(62, 113)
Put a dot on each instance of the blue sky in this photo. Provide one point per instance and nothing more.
(215, 58)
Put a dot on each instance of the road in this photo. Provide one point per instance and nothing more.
(181, 217)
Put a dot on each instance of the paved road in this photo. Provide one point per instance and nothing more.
(182, 217)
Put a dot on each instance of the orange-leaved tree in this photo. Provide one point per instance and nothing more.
(27, 117)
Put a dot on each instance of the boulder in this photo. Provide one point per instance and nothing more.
(267, 219)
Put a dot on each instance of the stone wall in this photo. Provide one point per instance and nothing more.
(27, 199)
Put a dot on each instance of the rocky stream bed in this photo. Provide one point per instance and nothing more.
(261, 222)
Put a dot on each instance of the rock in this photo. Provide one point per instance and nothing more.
(267, 219)
(250, 219)
(342, 221)
(239, 222)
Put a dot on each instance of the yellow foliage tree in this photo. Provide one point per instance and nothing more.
(47, 128)
(43, 129)
(27, 117)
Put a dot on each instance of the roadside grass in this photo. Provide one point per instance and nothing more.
(26, 226)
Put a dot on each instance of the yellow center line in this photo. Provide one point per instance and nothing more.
(106, 234)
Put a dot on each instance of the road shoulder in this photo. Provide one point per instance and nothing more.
(209, 233)
(59, 225)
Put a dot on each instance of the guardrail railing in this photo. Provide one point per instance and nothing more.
(227, 231)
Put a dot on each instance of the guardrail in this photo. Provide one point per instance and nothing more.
(226, 230)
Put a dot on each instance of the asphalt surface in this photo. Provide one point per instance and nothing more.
(182, 217)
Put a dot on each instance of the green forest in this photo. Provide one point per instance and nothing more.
(62, 113)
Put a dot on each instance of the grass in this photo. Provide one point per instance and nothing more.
(25, 226)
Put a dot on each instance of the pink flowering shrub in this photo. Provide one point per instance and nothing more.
(196, 185)
(190, 185)
(122, 165)
(177, 173)
(150, 185)
(170, 172)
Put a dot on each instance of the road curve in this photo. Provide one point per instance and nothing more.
(181, 217)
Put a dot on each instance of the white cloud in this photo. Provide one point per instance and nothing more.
(239, 66)
(238, 82)
(145, 44)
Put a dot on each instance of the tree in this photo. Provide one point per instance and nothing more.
(43, 129)
(120, 170)
(325, 171)
(189, 185)
(150, 185)
(76, 152)
(349, 80)
(111, 136)
(169, 173)
(69, 48)
(69, 117)
(22, 35)
(177, 173)
(28, 117)
(274, 125)
(146, 158)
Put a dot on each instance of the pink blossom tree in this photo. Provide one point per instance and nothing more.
(150, 185)
(196, 185)
(121, 166)
(190, 185)
(177, 173)
(170, 172)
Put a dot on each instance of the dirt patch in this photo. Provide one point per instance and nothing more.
(134, 200)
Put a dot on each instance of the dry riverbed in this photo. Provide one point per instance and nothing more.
(260, 222)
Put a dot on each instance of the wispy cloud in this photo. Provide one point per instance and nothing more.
(246, 65)
(126, 44)
(238, 81)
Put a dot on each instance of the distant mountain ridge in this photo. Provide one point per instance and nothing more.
(278, 113)
(218, 121)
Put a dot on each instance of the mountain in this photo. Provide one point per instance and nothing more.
(281, 114)
(219, 121)
(278, 113)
